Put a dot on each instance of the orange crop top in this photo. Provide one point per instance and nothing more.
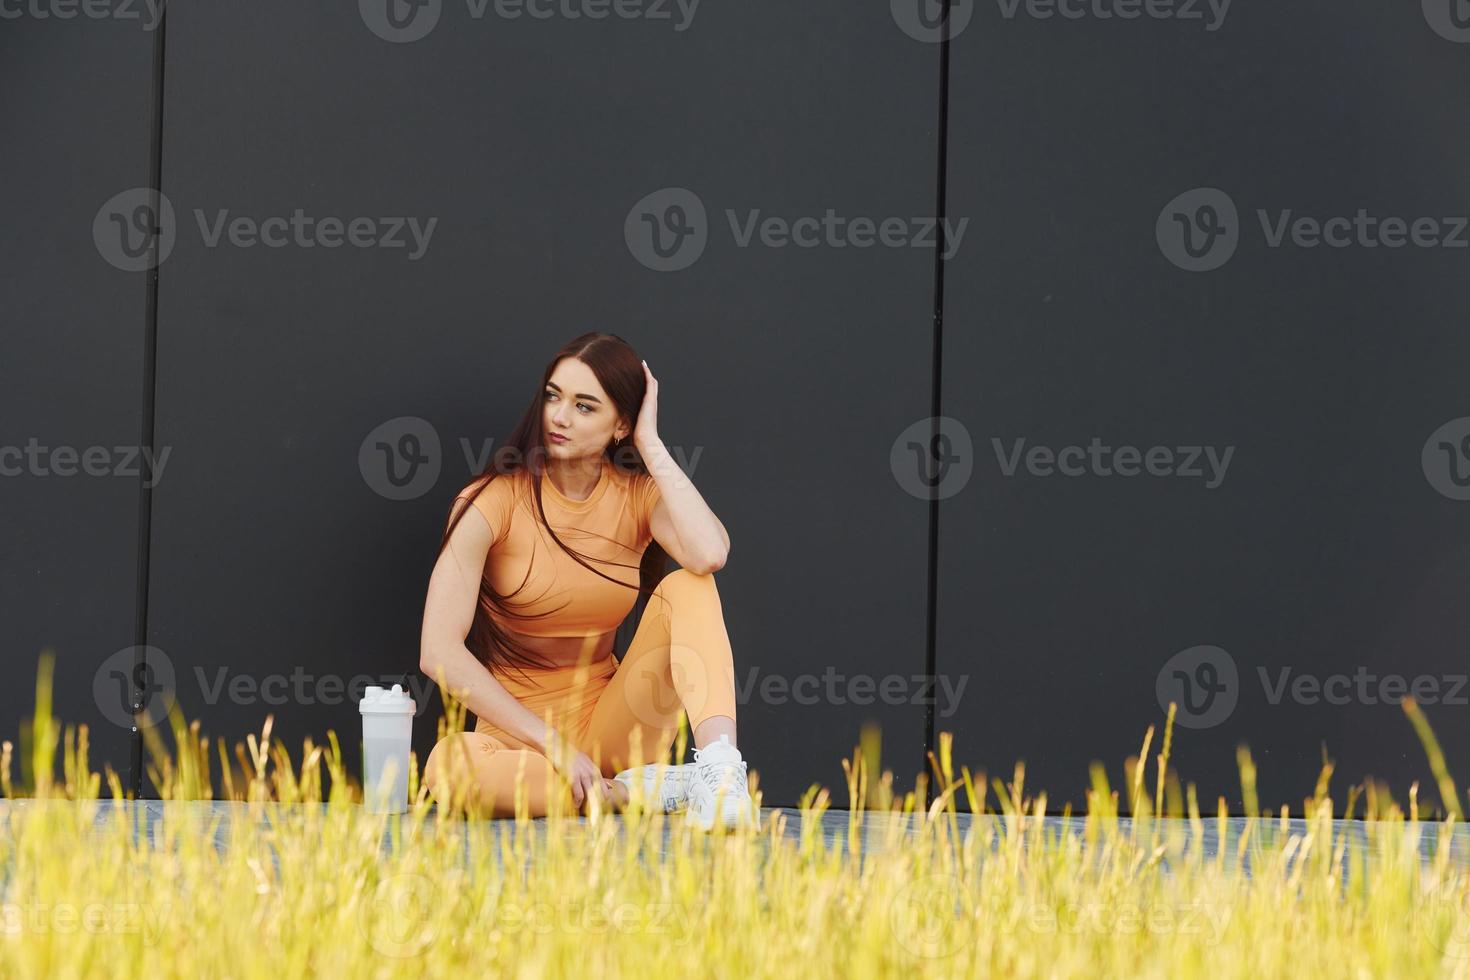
(611, 524)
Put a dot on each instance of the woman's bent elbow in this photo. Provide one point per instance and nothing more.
(430, 662)
(708, 567)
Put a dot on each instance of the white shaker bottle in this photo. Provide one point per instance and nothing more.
(387, 734)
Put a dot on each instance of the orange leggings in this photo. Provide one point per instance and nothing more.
(621, 714)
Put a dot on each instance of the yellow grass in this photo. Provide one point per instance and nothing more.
(316, 890)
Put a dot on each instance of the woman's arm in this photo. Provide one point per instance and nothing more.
(449, 610)
(681, 522)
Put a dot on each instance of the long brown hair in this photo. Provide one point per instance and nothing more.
(620, 373)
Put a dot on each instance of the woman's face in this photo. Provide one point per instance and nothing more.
(575, 406)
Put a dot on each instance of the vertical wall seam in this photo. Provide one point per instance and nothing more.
(150, 355)
(936, 401)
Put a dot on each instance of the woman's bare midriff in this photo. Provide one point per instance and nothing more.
(568, 651)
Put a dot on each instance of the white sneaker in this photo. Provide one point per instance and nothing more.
(659, 785)
(718, 791)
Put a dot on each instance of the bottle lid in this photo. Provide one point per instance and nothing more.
(377, 700)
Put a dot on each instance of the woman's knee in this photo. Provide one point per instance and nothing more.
(450, 751)
(480, 773)
(681, 581)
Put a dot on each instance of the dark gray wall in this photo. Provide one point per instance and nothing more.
(1325, 548)
(71, 370)
(284, 566)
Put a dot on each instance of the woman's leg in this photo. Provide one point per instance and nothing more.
(479, 773)
(679, 657)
